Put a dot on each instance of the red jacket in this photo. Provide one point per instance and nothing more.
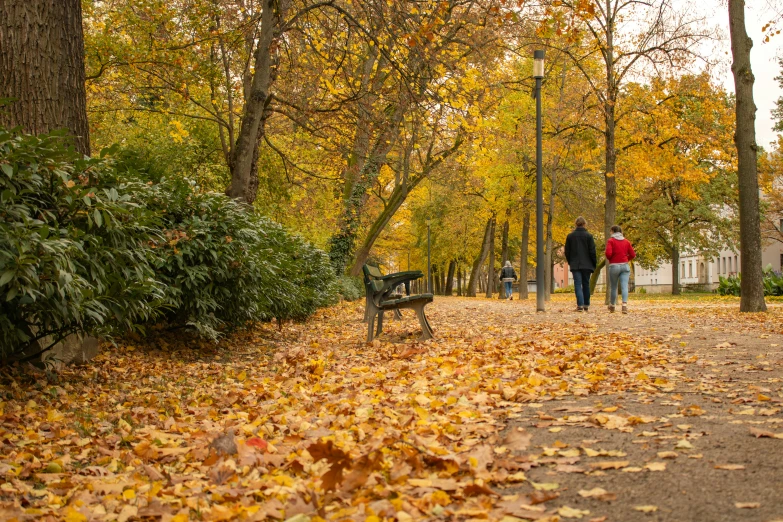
(619, 251)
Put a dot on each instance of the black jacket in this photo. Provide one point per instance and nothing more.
(580, 250)
(508, 272)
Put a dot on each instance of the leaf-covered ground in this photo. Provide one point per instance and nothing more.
(672, 412)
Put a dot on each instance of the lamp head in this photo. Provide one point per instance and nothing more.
(538, 63)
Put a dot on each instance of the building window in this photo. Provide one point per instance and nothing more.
(724, 266)
(729, 269)
(682, 272)
(690, 269)
(781, 225)
(736, 264)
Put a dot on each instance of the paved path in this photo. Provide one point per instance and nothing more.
(697, 427)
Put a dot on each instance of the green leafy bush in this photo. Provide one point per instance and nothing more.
(75, 246)
(350, 288)
(773, 283)
(729, 285)
(101, 247)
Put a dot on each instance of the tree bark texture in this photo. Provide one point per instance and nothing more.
(42, 67)
(246, 150)
(491, 262)
(459, 280)
(676, 287)
(751, 285)
(450, 278)
(523, 256)
(482, 256)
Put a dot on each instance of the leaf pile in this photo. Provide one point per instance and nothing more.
(327, 426)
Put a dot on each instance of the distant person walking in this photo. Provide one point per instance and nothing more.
(580, 254)
(619, 253)
(508, 276)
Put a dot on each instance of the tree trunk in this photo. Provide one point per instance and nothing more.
(396, 200)
(459, 280)
(523, 256)
(595, 275)
(491, 262)
(503, 257)
(752, 282)
(42, 67)
(610, 154)
(251, 130)
(482, 256)
(450, 277)
(675, 255)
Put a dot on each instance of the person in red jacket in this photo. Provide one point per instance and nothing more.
(619, 253)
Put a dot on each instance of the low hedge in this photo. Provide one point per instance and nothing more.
(105, 247)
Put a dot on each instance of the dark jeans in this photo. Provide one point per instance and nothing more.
(582, 286)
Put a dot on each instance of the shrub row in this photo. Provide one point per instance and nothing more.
(100, 246)
(773, 283)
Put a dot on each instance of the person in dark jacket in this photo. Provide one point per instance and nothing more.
(508, 276)
(580, 254)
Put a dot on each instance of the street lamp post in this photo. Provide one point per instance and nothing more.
(538, 74)
(429, 270)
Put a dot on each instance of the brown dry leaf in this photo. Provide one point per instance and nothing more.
(655, 466)
(747, 505)
(569, 512)
(517, 440)
(646, 509)
(539, 497)
(517, 507)
(759, 433)
(598, 493)
(608, 464)
(730, 467)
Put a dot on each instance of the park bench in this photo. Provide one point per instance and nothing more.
(380, 298)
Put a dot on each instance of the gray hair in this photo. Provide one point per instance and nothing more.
(580, 221)
(508, 263)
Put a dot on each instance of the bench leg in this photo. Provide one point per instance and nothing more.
(370, 326)
(380, 324)
(367, 301)
(426, 329)
(397, 314)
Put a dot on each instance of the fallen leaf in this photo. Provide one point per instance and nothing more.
(646, 509)
(568, 512)
(730, 467)
(598, 493)
(747, 505)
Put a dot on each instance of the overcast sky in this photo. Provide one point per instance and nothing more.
(764, 61)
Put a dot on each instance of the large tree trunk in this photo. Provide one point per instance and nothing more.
(482, 256)
(523, 256)
(42, 67)
(751, 285)
(246, 150)
(610, 154)
(459, 280)
(503, 257)
(450, 278)
(675, 256)
(491, 262)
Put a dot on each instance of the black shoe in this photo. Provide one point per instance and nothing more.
(579, 309)
(584, 308)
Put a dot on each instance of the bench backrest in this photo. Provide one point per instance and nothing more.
(371, 276)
